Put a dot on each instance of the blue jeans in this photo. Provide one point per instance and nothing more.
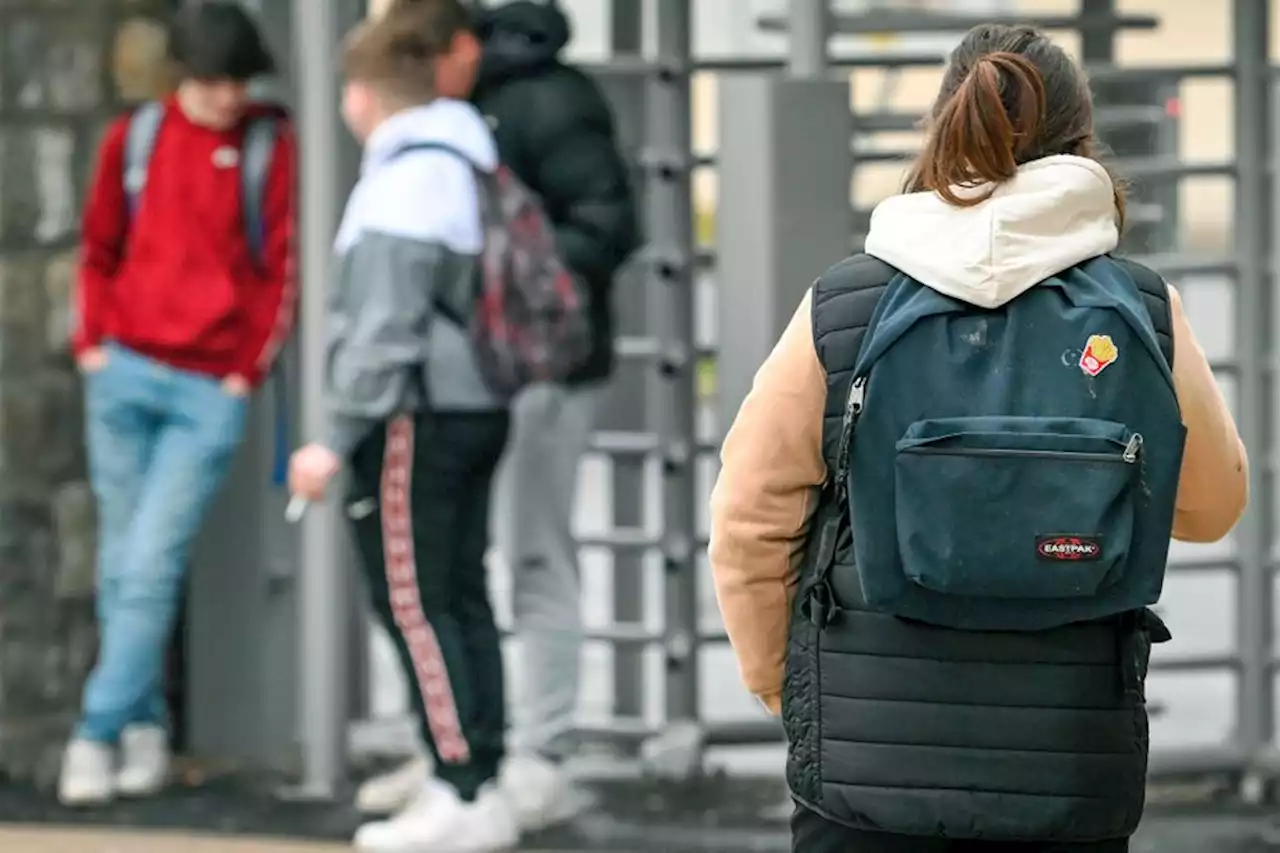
(160, 441)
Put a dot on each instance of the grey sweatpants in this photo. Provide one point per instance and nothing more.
(537, 484)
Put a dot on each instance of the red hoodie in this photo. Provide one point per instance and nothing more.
(179, 283)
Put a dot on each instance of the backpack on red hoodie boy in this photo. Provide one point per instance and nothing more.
(255, 159)
(528, 317)
(259, 143)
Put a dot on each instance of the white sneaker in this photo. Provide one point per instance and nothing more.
(540, 792)
(88, 774)
(437, 821)
(144, 761)
(390, 792)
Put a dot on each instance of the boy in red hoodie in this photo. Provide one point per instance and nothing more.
(181, 314)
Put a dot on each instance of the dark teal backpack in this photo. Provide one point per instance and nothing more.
(1011, 469)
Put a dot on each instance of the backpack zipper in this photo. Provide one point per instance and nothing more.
(1129, 456)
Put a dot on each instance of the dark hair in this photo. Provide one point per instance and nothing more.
(396, 53)
(1009, 96)
(216, 40)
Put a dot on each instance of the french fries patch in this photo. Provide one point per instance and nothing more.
(1100, 352)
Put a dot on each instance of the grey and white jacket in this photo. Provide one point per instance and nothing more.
(411, 234)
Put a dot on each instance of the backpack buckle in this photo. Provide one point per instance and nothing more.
(134, 180)
(820, 605)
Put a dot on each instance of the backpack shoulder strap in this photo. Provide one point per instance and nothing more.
(843, 304)
(410, 147)
(1155, 297)
(256, 150)
(484, 176)
(856, 284)
(255, 162)
(139, 142)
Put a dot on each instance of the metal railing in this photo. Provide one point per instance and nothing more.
(1249, 265)
(655, 416)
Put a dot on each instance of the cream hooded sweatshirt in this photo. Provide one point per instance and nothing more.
(1057, 212)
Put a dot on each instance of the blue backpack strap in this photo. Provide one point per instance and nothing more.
(280, 439)
(139, 142)
(452, 308)
(255, 161)
(1155, 297)
(256, 150)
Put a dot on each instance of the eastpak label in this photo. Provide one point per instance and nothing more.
(1069, 548)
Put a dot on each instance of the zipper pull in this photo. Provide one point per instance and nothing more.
(856, 395)
(1132, 449)
(852, 411)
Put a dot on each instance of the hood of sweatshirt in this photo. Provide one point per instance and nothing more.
(456, 124)
(1055, 213)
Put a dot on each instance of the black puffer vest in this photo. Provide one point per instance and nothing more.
(911, 729)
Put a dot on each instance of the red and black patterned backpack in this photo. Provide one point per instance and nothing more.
(528, 317)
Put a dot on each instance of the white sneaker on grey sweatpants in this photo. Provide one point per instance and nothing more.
(533, 519)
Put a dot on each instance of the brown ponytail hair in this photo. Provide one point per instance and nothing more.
(1009, 96)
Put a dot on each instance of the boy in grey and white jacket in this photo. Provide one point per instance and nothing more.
(410, 238)
(413, 420)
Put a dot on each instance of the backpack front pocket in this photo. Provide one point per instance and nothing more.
(1016, 507)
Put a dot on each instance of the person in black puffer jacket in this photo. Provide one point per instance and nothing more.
(555, 130)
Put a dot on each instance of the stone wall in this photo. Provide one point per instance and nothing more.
(61, 80)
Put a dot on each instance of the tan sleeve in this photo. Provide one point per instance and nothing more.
(771, 472)
(1214, 485)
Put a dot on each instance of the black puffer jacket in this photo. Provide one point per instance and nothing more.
(555, 130)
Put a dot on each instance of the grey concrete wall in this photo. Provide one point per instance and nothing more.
(57, 91)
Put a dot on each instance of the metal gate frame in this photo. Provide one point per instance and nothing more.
(1249, 264)
(669, 264)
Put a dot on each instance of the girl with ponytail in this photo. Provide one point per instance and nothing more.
(914, 724)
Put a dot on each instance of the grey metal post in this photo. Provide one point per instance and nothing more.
(359, 633)
(1250, 30)
(626, 399)
(277, 20)
(323, 619)
(779, 225)
(809, 27)
(1097, 44)
(239, 703)
(669, 222)
(1153, 210)
(626, 27)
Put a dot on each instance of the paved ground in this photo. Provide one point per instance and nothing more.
(1165, 835)
(714, 815)
(33, 840)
